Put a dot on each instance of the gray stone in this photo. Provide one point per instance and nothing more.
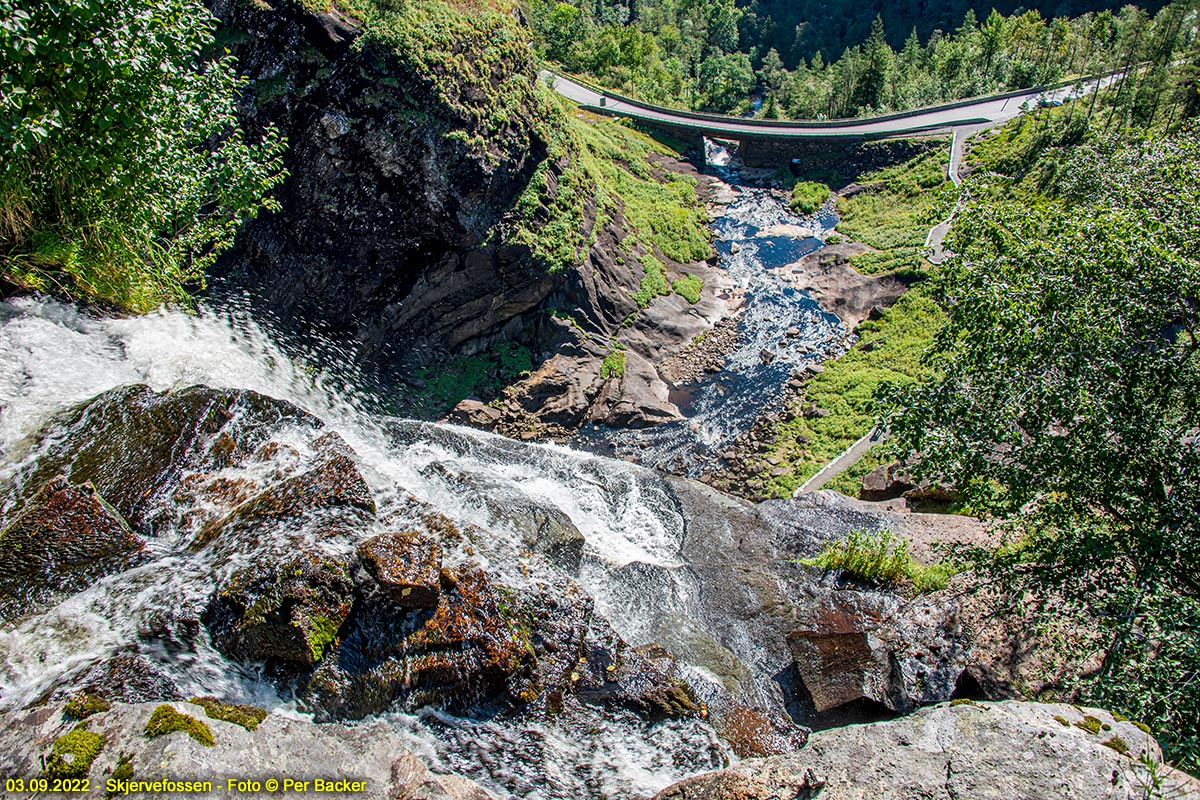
(281, 747)
(989, 751)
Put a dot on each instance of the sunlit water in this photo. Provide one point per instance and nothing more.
(776, 318)
(52, 357)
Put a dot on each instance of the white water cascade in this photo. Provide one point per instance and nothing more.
(53, 357)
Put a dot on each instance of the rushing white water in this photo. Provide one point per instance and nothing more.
(53, 357)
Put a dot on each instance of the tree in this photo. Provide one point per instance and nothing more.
(125, 172)
(772, 75)
(565, 30)
(725, 81)
(878, 59)
(1067, 402)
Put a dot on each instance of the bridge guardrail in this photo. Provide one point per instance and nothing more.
(810, 124)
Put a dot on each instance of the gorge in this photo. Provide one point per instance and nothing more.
(465, 465)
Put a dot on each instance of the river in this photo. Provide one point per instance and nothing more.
(780, 329)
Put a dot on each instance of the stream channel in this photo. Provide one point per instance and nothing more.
(780, 329)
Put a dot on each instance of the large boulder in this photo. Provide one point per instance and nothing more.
(332, 488)
(285, 613)
(874, 649)
(65, 538)
(993, 751)
(133, 444)
(407, 566)
(280, 747)
(457, 654)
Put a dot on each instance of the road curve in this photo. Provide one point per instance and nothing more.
(979, 113)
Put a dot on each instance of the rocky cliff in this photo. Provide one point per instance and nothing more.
(411, 133)
(439, 201)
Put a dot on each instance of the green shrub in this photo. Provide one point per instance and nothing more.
(689, 287)
(613, 365)
(654, 281)
(808, 196)
(125, 171)
(881, 557)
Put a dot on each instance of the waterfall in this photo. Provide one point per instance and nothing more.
(53, 356)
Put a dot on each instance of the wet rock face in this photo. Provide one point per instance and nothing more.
(454, 655)
(129, 678)
(407, 567)
(382, 232)
(133, 443)
(284, 613)
(611, 673)
(332, 487)
(64, 539)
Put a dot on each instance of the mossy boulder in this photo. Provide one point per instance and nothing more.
(455, 655)
(132, 443)
(407, 566)
(285, 613)
(64, 539)
(72, 754)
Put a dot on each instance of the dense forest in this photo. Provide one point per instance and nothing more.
(719, 57)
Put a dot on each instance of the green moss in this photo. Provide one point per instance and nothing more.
(84, 705)
(962, 701)
(123, 771)
(1118, 744)
(808, 196)
(689, 287)
(72, 754)
(249, 717)
(654, 281)
(1143, 727)
(166, 719)
(1089, 723)
(322, 633)
(1061, 720)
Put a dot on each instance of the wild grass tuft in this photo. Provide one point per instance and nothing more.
(881, 558)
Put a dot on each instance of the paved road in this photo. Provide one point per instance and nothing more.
(848, 458)
(981, 113)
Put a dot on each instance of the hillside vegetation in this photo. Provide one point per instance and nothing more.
(125, 170)
(715, 56)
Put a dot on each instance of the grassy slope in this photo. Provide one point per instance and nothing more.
(1020, 160)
